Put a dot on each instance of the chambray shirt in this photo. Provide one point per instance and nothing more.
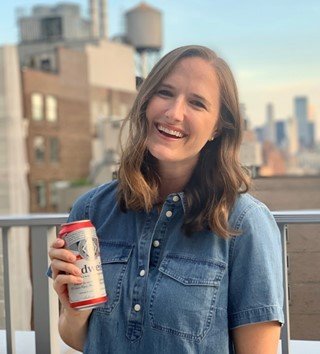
(170, 293)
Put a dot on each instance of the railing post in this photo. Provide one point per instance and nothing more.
(10, 333)
(45, 301)
(285, 331)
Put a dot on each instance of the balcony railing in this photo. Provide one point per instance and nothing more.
(45, 308)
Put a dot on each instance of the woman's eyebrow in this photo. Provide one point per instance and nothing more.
(164, 85)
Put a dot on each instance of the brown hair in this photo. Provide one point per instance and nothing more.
(218, 177)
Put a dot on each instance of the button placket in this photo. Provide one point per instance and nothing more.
(134, 326)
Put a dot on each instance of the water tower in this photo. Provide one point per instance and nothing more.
(144, 33)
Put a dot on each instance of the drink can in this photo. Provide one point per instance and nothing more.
(81, 239)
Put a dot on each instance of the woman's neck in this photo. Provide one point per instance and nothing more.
(174, 178)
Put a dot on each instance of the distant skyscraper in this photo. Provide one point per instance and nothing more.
(260, 134)
(301, 116)
(292, 134)
(311, 134)
(243, 112)
(270, 124)
(281, 133)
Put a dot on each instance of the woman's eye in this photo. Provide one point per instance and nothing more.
(198, 104)
(165, 93)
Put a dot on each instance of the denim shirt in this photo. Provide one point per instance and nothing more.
(170, 293)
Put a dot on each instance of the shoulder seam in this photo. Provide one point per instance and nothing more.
(88, 203)
(239, 222)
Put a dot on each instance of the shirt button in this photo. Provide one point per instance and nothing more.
(168, 214)
(142, 272)
(156, 243)
(137, 307)
(175, 198)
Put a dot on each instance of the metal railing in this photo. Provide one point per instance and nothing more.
(45, 308)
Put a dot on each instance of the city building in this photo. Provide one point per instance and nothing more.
(281, 136)
(70, 113)
(274, 161)
(270, 134)
(311, 135)
(301, 116)
(293, 138)
(251, 152)
(49, 27)
(14, 195)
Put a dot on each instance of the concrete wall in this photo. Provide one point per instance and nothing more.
(303, 249)
(111, 65)
(14, 196)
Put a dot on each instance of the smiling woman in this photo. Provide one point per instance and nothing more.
(191, 262)
(183, 115)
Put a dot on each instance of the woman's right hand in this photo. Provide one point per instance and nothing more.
(72, 323)
(64, 272)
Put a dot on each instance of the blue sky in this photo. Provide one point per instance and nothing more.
(272, 46)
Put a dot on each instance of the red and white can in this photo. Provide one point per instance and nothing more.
(81, 239)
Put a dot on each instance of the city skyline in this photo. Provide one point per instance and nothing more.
(273, 52)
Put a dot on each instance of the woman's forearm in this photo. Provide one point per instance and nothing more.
(73, 327)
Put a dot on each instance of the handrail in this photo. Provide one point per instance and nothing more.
(46, 306)
(283, 216)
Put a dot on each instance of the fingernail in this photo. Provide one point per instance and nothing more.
(77, 272)
(59, 241)
(79, 280)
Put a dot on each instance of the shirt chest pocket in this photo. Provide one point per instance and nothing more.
(114, 259)
(184, 295)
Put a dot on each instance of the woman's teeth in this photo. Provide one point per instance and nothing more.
(169, 131)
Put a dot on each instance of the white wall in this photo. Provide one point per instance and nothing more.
(13, 182)
(111, 65)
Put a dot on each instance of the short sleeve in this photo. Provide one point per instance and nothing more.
(255, 270)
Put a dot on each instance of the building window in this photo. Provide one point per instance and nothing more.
(40, 189)
(45, 64)
(51, 109)
(53, 194)
(39, 148)
(51, 27)
(37, 106)
(54, 150)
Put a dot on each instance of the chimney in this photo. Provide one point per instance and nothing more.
(94, 17)
(103, 33)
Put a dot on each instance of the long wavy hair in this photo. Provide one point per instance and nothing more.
(218, 177)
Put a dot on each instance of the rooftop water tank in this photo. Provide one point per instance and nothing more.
(144, 28)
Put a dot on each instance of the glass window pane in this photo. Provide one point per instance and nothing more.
(39, 148)
(37, 106)
(51, 109)
(54, 149)
(40, 188)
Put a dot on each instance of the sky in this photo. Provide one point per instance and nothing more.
(273, 47)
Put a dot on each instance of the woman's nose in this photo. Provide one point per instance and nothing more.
(176, 110)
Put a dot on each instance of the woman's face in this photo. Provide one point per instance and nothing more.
(183, 113)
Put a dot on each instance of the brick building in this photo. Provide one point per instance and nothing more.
(65, 107)
(56, 106)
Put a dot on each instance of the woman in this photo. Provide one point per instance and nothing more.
(192, 263)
